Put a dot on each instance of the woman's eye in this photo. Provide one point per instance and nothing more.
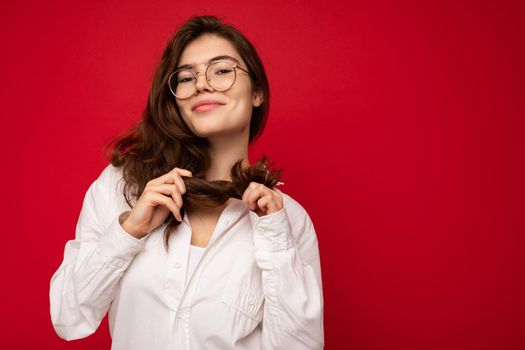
(185, 80)
(223, 71)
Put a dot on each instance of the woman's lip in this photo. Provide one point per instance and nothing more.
(206, 107)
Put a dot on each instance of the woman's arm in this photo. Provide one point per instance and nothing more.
(287, 252)
(85, 284)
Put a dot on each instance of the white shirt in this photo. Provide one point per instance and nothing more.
(257, 285)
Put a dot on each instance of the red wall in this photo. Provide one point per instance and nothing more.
(400, 126)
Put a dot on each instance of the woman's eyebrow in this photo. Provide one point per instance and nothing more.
(216, 58)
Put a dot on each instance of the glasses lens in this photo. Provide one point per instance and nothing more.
(182, 83)
(221, 75)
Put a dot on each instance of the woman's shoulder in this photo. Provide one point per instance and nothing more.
(112, 182)
(110, 178)
(295, 211)
(110, 174)
(300, 221)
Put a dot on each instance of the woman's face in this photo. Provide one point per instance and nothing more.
(230, 112)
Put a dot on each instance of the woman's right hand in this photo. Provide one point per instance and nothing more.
(160, 196)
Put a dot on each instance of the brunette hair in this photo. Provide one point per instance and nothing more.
(162, 141)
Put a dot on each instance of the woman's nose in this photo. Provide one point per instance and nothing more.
(201, 83)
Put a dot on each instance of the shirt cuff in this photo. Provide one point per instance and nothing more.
(118, 246)
(272, 232)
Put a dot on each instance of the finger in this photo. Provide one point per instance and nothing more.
(177, 199)
(183, 172)
(159, 199)
(257, 192)
(166, 178)
(171, 190)
(170, 177)
(175, 178)
(268, 204)
(249, 190)
(180, 183)
(262, 203)
(278, 199)
(272, 206)
(178, 178)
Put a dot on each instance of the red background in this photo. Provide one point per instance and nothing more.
(399, 126)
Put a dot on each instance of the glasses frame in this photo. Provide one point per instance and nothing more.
(235, 66)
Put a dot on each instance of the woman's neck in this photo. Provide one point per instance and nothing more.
(223, 156)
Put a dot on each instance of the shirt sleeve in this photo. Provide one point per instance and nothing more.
(286, 250)
(83, 287)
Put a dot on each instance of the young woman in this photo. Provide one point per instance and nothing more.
(180, 238)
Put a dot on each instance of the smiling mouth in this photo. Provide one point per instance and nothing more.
(206, 107)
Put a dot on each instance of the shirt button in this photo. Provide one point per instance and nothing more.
(268, 276)
(177, 264)
(182, 312)
(251, 301)
(260, 230)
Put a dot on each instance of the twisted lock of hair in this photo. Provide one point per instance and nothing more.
(210, 194)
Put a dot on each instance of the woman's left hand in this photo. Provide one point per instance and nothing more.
(262, 199)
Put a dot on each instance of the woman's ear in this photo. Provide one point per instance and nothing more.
(257, 98)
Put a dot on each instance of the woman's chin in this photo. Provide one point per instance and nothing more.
(217, 134)
(207, 132)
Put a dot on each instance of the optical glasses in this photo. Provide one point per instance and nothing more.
(220, 75)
